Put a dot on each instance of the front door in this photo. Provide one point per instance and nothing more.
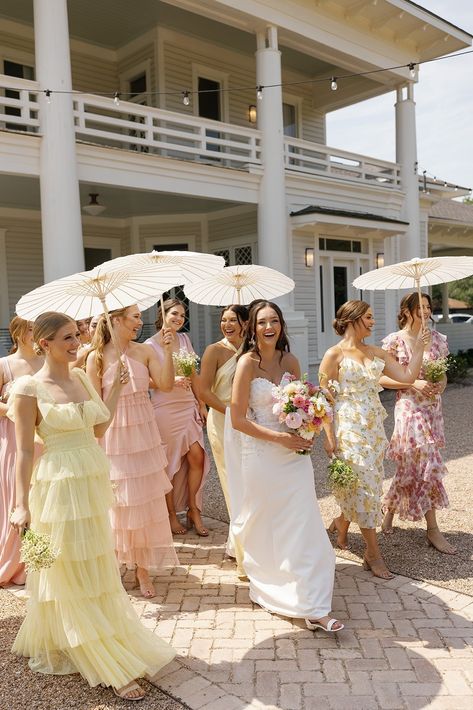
(336, 275)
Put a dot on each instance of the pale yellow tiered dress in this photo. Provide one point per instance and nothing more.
(79, 618)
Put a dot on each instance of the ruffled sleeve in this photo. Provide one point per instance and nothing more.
(25, 385)
(441, 342)
(390, 344)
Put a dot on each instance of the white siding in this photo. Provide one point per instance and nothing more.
(24, 257)
(306, 297)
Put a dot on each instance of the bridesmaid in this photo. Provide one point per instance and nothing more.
(180, 415)
(217, 370)
(21, 361)
(417, 489)
(132, 443)
(357, 434)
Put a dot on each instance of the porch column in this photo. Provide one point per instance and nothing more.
(273, 248)
(274, 232)
(445, 308)
(406, 155)
(63, 251)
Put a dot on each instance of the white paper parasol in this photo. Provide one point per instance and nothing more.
(416, 273)
(191, 266)
(239, 284)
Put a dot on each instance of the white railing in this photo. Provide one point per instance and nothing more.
(18, 106)
(318, 159)
(151, 130)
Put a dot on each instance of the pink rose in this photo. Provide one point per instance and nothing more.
(298, 401)
(293, 420)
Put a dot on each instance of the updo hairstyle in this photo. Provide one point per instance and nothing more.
(18, 329)
(349, 312)
(46, 326)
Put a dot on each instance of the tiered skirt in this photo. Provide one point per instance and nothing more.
(79, 618)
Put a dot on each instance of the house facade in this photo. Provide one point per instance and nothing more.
(201, 126)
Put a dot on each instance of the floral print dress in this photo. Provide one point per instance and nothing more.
(418, 435)
(361, 440)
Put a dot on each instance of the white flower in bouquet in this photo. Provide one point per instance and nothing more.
(435, 370)
(185, 363)
(36, 551)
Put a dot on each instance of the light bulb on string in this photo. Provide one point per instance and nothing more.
(333, 83)
(47, 93)
(412, 70)
(259, 93)
(116, 98)
(186, 99)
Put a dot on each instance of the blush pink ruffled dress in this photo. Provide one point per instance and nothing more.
(180, 426)
(11, 569)
(418, 436)
(132, 443)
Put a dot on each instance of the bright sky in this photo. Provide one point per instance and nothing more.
(444, 110)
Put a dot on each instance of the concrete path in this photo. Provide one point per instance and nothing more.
(407, 644)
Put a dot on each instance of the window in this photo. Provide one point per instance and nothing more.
(209, 101)
(94, 256)
(236, 255)
(21, 71)
(138, 87)
(340, 245)
(289, 115)
(340, 286)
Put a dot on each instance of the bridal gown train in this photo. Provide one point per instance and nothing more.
(276, 518)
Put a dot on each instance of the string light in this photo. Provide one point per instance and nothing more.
(412, 70)
(116, 98)
(47, 93)
(259, 93)
(186, 99)
(333, 83)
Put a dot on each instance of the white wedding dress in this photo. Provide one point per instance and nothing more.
(275, 516)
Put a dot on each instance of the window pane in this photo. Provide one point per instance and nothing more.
(138, 85)
(209, 102)
(289, 120)
(243, 255)
(340, 286)
(338, 244)
(226, 255)
(94, 257)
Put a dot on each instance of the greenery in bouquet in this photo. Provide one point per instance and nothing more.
(185, 363)
(302, 406)
(341, 475)
(435, 370)
(36, 551)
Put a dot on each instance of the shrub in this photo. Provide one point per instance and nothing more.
(457, 367)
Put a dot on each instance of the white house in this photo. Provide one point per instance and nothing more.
(161, 127)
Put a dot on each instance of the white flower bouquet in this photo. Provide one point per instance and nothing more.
(36, 551)
(185, 363)
(435, 370)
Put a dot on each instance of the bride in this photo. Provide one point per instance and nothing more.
(275, 515)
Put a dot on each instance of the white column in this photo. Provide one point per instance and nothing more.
(63, 251)
(406, 155)
(273, 248)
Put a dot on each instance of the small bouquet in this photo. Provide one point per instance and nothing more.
(185, 363)
(435, 370)
(302, 406)
(340, 475)
(36, 551)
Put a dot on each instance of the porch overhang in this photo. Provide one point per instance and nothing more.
(315, 219)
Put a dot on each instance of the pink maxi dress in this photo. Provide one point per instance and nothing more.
(180, 426)
(417, 439)
(139, 518)
(11, 569)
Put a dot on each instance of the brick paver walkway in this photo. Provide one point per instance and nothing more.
(407, 644)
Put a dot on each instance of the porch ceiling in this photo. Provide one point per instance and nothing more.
(23, 193)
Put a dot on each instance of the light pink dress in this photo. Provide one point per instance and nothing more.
(11, 569)
(180, 426)
(139, 518)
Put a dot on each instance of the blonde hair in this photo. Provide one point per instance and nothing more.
(102, 336)
(46, 326)
(349, 312)
(18, 329)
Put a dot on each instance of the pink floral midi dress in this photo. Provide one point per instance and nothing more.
(417, 438)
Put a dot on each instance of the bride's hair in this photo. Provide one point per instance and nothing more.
(250, 343)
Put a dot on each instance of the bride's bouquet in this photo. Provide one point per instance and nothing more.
(36, 551)
(302, 406)
(185, 363)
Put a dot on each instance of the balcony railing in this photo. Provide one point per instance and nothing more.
(314, 158)
(145, 129)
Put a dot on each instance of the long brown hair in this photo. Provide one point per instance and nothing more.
(102, 336)
(46, 326)
(250, 344)
(18, 329)
(167, 305)
(241, 312)
(349, 312)
(409, 305)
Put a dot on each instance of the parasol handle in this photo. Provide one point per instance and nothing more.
(111, 331)
(420, 304)
(163, 313)
(238, 294)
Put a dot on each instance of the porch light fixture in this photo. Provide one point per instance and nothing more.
(380, 260)
(309, 257)
(94, 208)
(333, 83)
(252, 113)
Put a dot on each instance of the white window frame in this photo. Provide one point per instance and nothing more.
(134, 71)
(295, 101)
(112, 243)
(214, 75)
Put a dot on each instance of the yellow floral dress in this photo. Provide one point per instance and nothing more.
(361, 440)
